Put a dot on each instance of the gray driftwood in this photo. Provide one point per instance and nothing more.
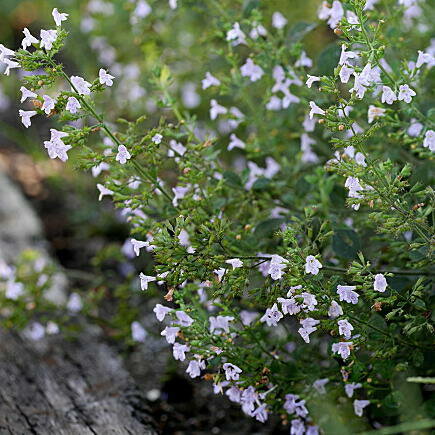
(65, 388)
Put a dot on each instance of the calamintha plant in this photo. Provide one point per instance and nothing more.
(292, 228)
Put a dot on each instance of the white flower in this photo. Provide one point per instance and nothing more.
(277, 265)
(170, 332)
(370, 4)
(34, 332)
(73, 105)
(59, 17)
(48, 104)
(216, 110)
(25, 93)
(123, 155)
(56, 147)
(335, 310)
(145, 280)
(179, 351)
(235, 35)
(81, 85)
(235, 262)
(380, 283)
(360, 159)
(429, 140)
(257, 31)
(29, 39)
(374, 113)
(345, 328)
(315, 110)
(311, 80)
(347, 293)
(138, 245)
(272, 316)
(157, 139)
(336, 14)
(194, 368)
(350, 388)
(308, 326)
(406, 93)
(342, 348)
(48, 37)
(251, 70)
(359, 405)
(14, 289)
(51, 328)
(105, 78)
(278, 20)
(346, 55)
(209, 81)
(345, 73)
(138, 332)
(9, 65)
(304, 60)
(319, 385)
(423, 58)
(5, 52)
(74, 303)
(235, 143)
(173, 4)
(388, 95)
(312, 265)
(103, 191)
(161, 311)
(25, 117)
(232, 372)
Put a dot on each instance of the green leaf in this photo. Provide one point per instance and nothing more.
(328, 60)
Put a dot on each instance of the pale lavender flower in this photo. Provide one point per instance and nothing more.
(312, 265)
(425, 58)
(138, 245)
(251, 70)
(103, 191)
(261, 413)
(28, 40)
(161, 311)
(359, 405)
(220, 323)
(277, 265)
(247, 317)
(234, 394)
(315, 110)
(380, 283)
(319, 385)
(25, 94)
(209, 81)
(388, 95)
(157, 139)
(170, 332)
(59, 17)
(406, 93)
(48, 104)
(335, 310)
(374, 113)
(235, 143)
(179, 351)
(216, 110)
(232, 372)
(289, 306)
(234, 262)
(74, 303)
(350, 388)
(81, 85)
(429, 140)
(35, 331)
(123, 155)
(14, 289)
(236, 35)
(342, 348)
(272, 316)
(308, 326)
(345, 56)
(25, 117)
(183, 318)
(345, 73)
(48, 37)
(345, 328)
(347, 293)
(138, 332)
(145, 280)
(194, 368)
(105, 78)
(311, 80)
(278, 20)
(73, 105)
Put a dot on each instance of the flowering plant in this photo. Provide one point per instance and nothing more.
(291, 228)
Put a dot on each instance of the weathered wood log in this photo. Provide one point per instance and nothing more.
(67, 388)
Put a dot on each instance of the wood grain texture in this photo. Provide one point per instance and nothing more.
(67, 388)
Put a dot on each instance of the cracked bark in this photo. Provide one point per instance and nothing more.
(67, 388)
